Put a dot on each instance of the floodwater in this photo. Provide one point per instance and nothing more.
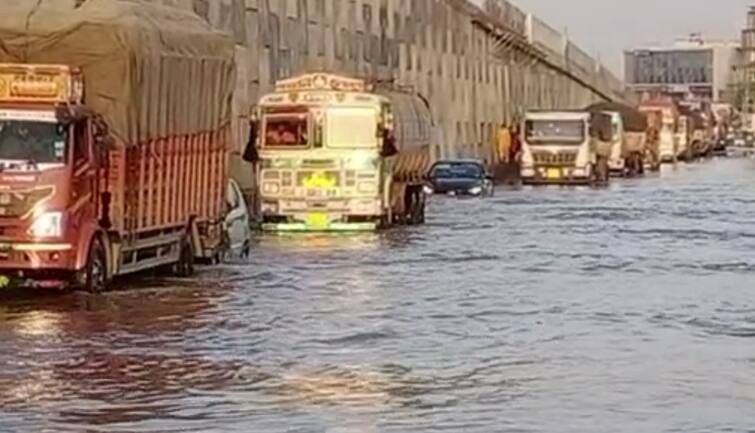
(627, 309)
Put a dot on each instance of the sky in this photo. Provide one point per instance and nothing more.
(605, 28)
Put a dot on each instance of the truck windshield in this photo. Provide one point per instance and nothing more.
(560, 131)
(286, 130)
(349, 127)
(36, 141)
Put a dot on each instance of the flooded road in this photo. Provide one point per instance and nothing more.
(629, 309)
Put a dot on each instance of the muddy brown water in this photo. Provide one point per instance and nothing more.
(627, 309)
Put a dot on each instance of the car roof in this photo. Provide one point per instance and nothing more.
(459, 161)
(557, 115)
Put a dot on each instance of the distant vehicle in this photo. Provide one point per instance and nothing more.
(237, 222)
(558, 148)
(461, 177)
(720, 146)
(749, 139)
(628, 135)
(668, 144)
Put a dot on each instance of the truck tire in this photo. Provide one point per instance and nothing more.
(185, 266)
(631, 165)
(601, 172)
(95, 274)
(416, 210)
(421, 205)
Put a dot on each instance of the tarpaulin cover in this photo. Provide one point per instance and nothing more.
(152, 71)
(632, 118)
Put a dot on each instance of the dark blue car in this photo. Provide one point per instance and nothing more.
(461, 177)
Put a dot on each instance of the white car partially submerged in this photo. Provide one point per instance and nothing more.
(237, 221)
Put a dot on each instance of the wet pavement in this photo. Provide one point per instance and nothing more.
(627, 309)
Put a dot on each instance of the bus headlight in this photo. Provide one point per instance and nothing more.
(47, 225)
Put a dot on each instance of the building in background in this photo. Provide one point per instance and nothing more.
(693, 69)
(743, 87)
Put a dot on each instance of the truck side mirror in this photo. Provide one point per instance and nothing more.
(389, 144)
(250, 151)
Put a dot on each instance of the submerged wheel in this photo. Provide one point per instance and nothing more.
(416, 208)
(95, 273)
(185, 265)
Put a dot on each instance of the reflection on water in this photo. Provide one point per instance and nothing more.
(541, 310)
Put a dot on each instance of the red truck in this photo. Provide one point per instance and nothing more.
(114, 142)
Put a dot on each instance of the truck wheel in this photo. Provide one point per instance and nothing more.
(95, 278)
(416, 209)
(421, 207)
(185, 266)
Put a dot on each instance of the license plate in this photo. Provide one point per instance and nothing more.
(317, 220)
(554, 173)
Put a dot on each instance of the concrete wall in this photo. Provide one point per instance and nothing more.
(433, 45)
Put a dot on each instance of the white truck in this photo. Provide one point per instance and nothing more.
(558, 148)
(617, 162)
(668, 146)
(333, 153)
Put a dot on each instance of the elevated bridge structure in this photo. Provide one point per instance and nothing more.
(477, 64)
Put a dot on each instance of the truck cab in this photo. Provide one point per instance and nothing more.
(667, 115)
(323, 144)
(50, 197)
(617, 162)
(556, 148)
(683, 136)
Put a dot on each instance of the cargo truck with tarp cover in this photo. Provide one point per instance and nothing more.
(335, 153)
(667, 113)
(629, 127)
(114, 130)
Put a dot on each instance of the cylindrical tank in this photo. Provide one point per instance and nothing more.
(414, 133)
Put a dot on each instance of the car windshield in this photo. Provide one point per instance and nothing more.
(456, 171)
(35, 141)
(562, 131)
(286, 130)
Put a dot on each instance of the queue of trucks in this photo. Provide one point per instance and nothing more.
(115, 141)
(609, 140)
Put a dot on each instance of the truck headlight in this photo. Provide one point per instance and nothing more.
(270, 188)
(367, 187)
(362, 161)
(47, 225)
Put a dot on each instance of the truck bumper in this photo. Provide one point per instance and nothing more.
(331, 216)
(331, 227)
(555, 176)
(36, 265)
